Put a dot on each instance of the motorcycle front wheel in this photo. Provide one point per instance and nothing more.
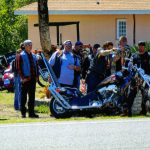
(57, 110)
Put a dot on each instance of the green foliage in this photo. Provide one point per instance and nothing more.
(135, 47)
(147, 46)
(13, 29)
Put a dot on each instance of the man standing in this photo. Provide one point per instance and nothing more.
(64, 64)
(28, 71)
(142, 59)
(97, 69)
(89, 60)
(125, 52)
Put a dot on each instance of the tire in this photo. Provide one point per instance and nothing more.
(57, 110)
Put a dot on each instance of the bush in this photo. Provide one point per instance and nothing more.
(135, 47)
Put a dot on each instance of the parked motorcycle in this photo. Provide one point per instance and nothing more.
(109, 93)
(8, 79)
(1, 80)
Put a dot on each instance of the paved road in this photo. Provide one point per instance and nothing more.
(129, 134)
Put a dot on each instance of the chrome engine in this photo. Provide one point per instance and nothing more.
(108, 92)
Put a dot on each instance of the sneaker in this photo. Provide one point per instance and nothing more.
(33, 116)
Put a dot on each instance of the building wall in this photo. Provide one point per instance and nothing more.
(93, 28)
(142, 27)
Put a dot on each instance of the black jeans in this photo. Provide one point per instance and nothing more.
(131, 98)
(28, 88)
(92, 80)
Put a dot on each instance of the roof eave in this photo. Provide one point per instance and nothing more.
(84, 12)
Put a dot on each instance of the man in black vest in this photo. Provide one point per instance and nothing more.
(97, 70)
(28, 70)
(142, 59)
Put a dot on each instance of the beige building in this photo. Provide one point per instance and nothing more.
(92, 21)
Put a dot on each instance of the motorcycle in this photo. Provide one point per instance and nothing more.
(8, 79)
(6, 75)
(109, 93)
(1, 80)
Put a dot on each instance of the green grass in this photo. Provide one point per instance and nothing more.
(9, 115)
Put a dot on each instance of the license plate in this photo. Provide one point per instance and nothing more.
(6, 81)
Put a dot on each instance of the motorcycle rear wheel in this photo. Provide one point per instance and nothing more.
(57, 110)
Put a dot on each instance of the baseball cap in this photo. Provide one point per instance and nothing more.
(27, 42)
(67, 42)
(78, 43)
(141, 43)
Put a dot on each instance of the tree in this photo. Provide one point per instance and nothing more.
(13, 29)
(44, 27)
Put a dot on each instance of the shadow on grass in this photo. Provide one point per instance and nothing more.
(3, 119)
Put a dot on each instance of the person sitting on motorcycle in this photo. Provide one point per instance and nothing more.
(142, 59)
(97, 69)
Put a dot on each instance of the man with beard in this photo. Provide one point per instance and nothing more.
(142, 59)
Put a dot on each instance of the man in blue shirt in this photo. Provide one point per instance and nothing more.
(64, 64)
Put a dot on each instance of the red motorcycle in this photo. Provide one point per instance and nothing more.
(8, 79)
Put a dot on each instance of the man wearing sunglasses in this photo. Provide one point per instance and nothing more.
(64, 64)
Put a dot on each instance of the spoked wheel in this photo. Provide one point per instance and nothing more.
(57, 110)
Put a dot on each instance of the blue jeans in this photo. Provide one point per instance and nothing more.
(17, 96)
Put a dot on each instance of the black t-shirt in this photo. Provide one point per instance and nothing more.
(143, 61)
(98, 66)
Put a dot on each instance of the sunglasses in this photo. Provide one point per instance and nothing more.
(68, 45)
(29, 44)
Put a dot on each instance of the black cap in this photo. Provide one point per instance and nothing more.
(141, 43)
(96, 46)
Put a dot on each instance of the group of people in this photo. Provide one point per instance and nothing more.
(75, 66)
(76, 69)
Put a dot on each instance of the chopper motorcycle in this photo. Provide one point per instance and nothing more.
(65, 100)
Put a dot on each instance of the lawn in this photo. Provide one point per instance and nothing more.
(9, 115)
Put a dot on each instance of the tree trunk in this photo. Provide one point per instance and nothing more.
(44, 27)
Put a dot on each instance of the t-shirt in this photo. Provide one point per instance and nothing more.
(66, 74)
(143, 61)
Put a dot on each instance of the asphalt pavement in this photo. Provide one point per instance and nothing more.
(125, 134)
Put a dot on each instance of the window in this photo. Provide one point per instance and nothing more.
(121, 27)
